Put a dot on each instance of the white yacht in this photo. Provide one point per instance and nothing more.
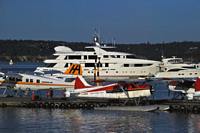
(176, 68)
(174, 62)
(111, 65)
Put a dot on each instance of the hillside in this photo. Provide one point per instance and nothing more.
(36, 51)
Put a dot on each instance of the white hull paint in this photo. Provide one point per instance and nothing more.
(118, 95)
(188, 73)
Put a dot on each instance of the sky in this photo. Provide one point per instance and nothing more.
(128, 21)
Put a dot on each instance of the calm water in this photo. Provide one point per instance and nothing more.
(19, 120)
(19, 67)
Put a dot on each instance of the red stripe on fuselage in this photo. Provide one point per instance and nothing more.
(107, 88)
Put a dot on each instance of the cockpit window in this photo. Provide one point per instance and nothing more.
(176, 61)
(69, 79)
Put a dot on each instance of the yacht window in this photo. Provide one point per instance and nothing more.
(27, 80)
(126, 65)
(106, 65)
(99, 65)
(174, 70)
(51, 65)
(89, 65)
(92, 57)
(31, 80)
(85, 57)
(66, 57)
(112, 56)
(130, 56)
(118, 56)
(37, 81)
(105, 56)
(138, 65)
(147, 64)
(176, 61)
(66, 65)
(74, 57)
(190, 67)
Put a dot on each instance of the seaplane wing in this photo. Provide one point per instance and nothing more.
(82, 86)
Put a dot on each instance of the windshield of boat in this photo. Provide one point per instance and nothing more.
(176, 61)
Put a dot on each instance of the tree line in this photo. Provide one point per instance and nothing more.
(38, 50)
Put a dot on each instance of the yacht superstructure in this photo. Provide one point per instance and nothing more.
(174, 62)
(111, 65)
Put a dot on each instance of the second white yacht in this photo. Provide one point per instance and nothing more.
(176, 68)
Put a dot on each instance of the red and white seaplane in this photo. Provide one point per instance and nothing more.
(111, 91)
(189, 89)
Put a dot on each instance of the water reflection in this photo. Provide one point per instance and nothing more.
(19, 120)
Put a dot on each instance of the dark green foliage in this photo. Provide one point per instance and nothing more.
(29, 50)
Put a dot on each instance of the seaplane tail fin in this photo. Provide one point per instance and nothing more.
(197, 84)
(74, 69)
(80, 83)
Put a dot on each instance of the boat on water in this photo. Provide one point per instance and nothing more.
(176, 68)
(174, 62)
(11, 62)
(111, 65)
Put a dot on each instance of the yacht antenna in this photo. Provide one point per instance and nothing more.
(114, 42)
(162, 50)
(96, 38)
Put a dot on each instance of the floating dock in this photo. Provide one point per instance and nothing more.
(185, 106)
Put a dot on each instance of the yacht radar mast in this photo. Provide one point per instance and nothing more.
(96, 41)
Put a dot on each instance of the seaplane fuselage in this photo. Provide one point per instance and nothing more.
(35, 82)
